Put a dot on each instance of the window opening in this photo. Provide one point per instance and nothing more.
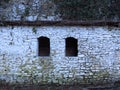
(71, 46)
(43, 46)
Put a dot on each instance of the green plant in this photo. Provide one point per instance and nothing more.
(88, 9)
(27, 11)
(34, 30)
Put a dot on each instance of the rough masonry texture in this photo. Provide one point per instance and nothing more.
(98, 59)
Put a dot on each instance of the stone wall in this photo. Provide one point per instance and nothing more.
(98, 59)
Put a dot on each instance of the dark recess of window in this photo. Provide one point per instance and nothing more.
(43, 46)
(71, 46)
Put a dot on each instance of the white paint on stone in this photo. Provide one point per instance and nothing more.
(98, 49)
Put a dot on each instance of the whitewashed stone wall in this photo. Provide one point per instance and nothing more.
(98, 59)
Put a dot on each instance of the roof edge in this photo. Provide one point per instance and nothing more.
(60, 23)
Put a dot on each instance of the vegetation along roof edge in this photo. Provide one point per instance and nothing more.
(60, 23)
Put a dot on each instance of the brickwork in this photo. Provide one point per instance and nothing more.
(98, 59)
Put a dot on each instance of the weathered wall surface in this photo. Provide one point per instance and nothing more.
(98, 59)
